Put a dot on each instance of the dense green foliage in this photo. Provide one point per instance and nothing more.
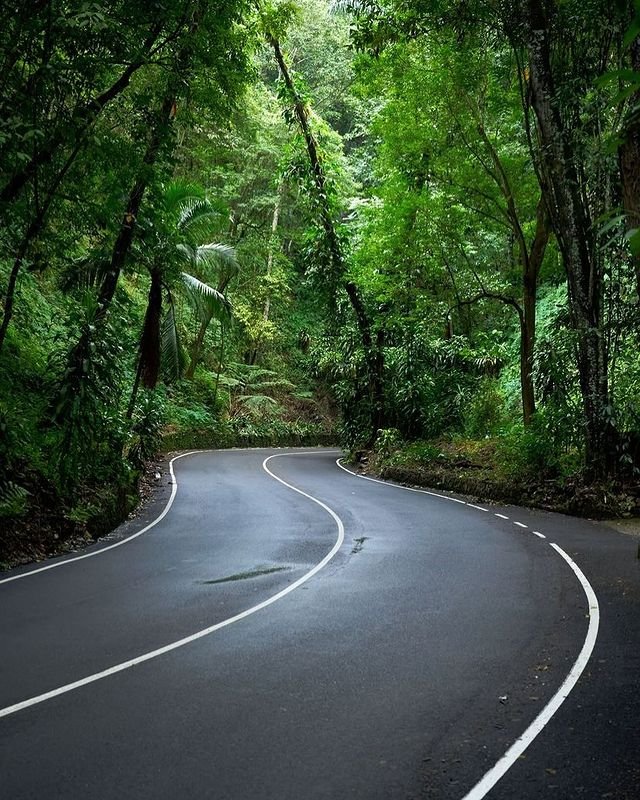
(261, 223)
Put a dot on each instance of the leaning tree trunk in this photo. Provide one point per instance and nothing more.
(158, 137)
(570, 221)
(373, 351)
(159, 134)
(196, 348)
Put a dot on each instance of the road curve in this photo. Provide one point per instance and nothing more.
(325, 638)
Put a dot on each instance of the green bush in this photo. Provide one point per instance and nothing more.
(387, 441)
(535, 451)
(485, 410)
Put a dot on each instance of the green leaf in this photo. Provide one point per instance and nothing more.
(632, 33)
(208, 302)
(634, 241)
(171, 349)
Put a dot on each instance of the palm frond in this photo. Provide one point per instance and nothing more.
(208, 302)
(172, 353)
(263, 386)
(229, 382)
(13, 499)
(257, 404)
(208, 258)
(86, 273)
(216, 254)
(188, 254)
(178, 193)
(195, 210)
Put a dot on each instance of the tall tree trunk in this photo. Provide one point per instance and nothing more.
(527, 345)
(570, 221)
(270, 256)
(124, 240)
(196, 348)
(530, 260)
(374, 358)
(273, 242)
(159, 135)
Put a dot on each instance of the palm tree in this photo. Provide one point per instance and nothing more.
(190, 214)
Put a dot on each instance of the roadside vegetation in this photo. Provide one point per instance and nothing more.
(411, 229)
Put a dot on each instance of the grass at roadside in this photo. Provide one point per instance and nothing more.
(492, 469)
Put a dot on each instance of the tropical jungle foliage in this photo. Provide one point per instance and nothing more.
(401, 225)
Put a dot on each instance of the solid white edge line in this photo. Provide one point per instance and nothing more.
(490, 778)
(69, 687)
(398, 485)
(74, 559)
(174, 488)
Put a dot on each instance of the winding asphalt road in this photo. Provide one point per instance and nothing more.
(346, 640)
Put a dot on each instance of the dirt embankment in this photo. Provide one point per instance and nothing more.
(475, 474)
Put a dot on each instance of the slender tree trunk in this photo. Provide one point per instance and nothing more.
(196, 348)
(272, 247)
(124, 240)
(374, 358)
(573, 230)
(530, 261)
(270, 256)
(220, 360)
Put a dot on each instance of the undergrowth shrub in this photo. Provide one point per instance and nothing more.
(537, 451)
(485, 410)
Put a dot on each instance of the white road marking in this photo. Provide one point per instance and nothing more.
(478, 508)
(69, 687)
(406, 488)
(174, 488)
(74, 559)
(489, 780)
(520, 524)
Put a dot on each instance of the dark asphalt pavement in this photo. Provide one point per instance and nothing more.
(379, 678)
